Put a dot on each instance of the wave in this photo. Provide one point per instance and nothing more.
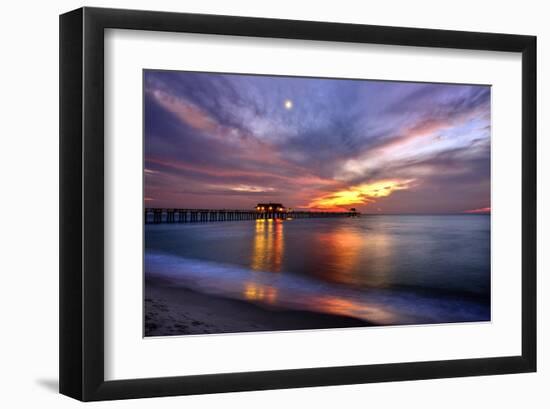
(288, 291)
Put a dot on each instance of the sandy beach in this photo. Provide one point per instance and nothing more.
(173, 310)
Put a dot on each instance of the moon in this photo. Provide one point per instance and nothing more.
(288, 104)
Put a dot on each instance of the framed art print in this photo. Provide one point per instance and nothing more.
(327, 190)
(305, 195)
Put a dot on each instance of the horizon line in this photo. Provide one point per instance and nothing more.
(466, 213)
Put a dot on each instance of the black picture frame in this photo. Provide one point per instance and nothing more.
(82, 199)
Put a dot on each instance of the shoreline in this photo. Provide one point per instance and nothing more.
(174, 310)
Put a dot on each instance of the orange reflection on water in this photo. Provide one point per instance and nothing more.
(355, 257)
(341, 306)
(258, 292)
(268, 248)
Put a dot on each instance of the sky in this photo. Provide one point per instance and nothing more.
(232, 141)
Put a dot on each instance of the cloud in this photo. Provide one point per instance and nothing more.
(359, 195)
(230, 137)
(480, 210)
(423, 133)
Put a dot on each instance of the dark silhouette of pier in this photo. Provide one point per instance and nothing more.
(163, 215)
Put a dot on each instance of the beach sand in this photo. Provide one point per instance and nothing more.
(171, 310)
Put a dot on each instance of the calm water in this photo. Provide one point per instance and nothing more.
(388, 270)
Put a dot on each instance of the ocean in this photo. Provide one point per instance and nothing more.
(384, 269)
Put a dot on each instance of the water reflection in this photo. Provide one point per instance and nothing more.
(257, 292)
(268, 247)
(342, 306)
(345, 254)
(354, 257)
(386, 270)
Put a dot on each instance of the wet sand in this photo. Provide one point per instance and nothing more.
(173, 310)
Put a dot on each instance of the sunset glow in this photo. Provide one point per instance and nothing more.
(481, 210)
(232, 141)
(359, 195)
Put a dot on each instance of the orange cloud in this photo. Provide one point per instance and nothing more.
(304, 181)
(360, 194)
(185, 111)
(480, 210)
(197, 118)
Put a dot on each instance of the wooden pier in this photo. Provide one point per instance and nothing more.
(159, 215)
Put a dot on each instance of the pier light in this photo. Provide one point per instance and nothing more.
(270, 207)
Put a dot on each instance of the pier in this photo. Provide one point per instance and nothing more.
(268, 211)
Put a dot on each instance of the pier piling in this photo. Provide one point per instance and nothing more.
(161, 215)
